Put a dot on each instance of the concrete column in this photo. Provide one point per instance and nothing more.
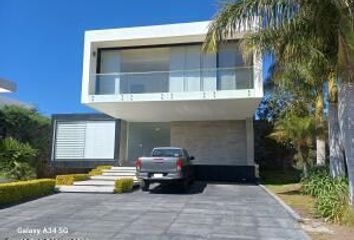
(250, 141)
(123, 143)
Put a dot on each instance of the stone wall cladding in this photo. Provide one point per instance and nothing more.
(212, 142)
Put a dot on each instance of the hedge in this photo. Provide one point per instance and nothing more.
(99, 170)
(123, 185)
(15, 192)
(104, 167)
(70, 178)
(95, 172)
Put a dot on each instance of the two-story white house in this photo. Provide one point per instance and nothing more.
(167, 92)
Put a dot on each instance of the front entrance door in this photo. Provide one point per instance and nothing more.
(143, 137)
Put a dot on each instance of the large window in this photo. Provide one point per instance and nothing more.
(233, 73)
(184, 68)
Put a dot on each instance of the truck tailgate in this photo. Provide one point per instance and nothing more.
(158, 164)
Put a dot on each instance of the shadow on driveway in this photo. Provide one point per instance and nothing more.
(173, 188)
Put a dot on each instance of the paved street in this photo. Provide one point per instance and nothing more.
(207, 211)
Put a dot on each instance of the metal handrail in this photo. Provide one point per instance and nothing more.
(172, 71)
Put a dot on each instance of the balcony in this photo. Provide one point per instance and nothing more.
(175, 81)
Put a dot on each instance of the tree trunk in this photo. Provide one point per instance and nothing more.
(346, 123)
(320, 151)
(320, 138)
(336, 157)
(305, 170)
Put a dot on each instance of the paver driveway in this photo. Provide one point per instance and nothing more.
(208, 211)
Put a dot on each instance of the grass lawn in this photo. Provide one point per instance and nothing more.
(290, 193)
(287, 187)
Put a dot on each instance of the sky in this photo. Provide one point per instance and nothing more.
(41, 41)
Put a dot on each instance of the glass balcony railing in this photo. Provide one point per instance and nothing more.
(207, 79)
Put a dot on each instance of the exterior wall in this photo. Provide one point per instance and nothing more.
(214, 142)
(250, 141)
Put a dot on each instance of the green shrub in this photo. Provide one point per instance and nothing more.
(24, 190)
(104, 167)
(332, 202)
(17, 159)
(124, 185)
(70, 178)
(99, 170)
(316, 182)
(95, 172)
(27, 125)
(331, 194)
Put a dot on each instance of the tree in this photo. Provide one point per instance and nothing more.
(337, 161)
(297, 31)
(28, 126)
(299, 132)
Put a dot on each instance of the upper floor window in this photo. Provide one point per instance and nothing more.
(180, 68)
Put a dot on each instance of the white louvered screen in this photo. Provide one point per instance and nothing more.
(70, 140)
(85, 140)
(99, 143)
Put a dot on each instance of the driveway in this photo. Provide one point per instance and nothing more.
(207, 211)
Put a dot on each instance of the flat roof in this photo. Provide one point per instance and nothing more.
(150, 35)
(7, 86)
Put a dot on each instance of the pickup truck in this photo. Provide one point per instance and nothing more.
(166, 164)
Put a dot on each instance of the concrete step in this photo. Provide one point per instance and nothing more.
(119, 171)
(123, 168)
(110, 178)
(118, 174)
(98, 183)
(94, 183)
(86, 189)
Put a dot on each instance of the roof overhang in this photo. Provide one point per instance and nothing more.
(7, 86)
(169, 111)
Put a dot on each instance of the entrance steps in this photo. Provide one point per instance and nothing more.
(101, 183)
(124, 174)
(124, 168)
(86, 189)
(120, 171)
(110, 178)
(94, 183)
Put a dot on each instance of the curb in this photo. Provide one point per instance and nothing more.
(291, 212)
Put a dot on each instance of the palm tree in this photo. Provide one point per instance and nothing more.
(298, 31)
(299, 132)
(306, 79)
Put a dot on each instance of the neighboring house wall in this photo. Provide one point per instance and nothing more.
(85, 140)
(212, 142)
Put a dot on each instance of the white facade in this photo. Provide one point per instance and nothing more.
(160, 74)
(168, 91)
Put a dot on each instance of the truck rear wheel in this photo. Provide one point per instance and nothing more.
(145, 185)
